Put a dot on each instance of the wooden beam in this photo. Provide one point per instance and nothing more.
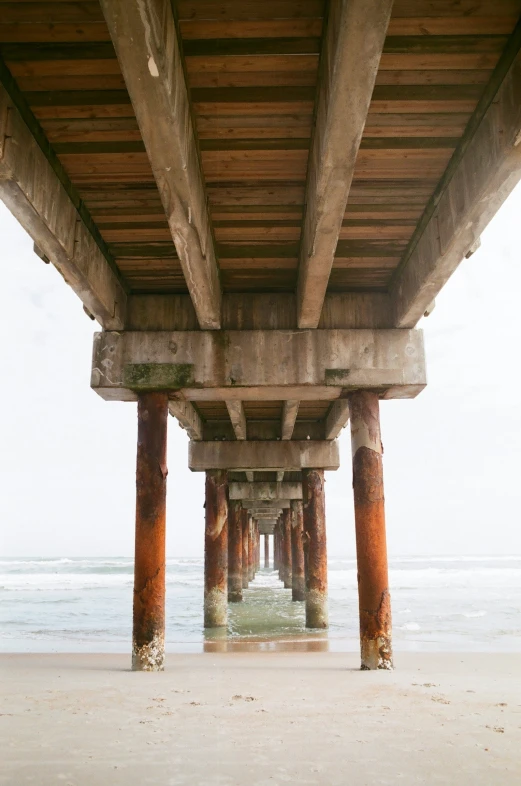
(351, 53)
(37, 197)
(146, 40)
(188, 418)
(337, 418)
(484, 174)
(290, 455)
(289, 416)
(237, 417)
(238, 365)
(249, 476)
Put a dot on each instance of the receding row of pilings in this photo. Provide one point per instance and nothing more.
(232, 539)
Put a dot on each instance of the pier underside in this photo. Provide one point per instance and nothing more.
(258, 202)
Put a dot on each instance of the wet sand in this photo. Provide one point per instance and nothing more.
(259, 719)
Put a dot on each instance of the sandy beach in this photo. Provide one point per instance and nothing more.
(260, 719)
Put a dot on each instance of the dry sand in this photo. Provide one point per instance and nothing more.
(259, 719)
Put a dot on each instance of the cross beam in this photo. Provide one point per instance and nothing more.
(240, 365)
(291, 456)
(265, 491)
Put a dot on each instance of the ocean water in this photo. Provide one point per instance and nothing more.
(85, 605)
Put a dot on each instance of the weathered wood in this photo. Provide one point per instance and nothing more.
(146, 42)
(187, 417)
(237, 417)
(268, 456)
(486, 173)
(265, 490)
(33, 192)
(337, 418)
(289, 416)
(352, 49)
(238, 365)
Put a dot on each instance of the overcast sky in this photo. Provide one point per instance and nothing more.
(452, 456)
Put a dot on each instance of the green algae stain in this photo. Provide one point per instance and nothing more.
(158, 376)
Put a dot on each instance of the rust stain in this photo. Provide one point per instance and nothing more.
(149, 564)
(235, 551)
(298, 584)
(315, 548)
(216, 549)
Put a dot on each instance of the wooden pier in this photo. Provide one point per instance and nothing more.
(258, 202)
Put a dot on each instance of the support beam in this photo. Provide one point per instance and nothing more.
(251, 562)
(239, 365)
(187, 417)
(35, 195)
(146, 41)
(237, 417)
(351, 53)
(488, 168)
(337, 418)
(266, 551)
(289, 416)
(249, 476)
(245, 548)
(268, 456)
(148, 636)
(280, 476)
(298, 578)
(216, 551)
(286, 548)
(314, 515)
(234, 552)
(265, 491)
(371, 546)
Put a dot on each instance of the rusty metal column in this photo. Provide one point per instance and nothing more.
(298, 582)
(245, 549)
(216, 551)
(234, 551)
(266, 551)
(251, 566)
(148, 636)
(374, 599)
(286, 546)
(314, 511)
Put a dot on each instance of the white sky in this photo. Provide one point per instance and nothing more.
(452, 462)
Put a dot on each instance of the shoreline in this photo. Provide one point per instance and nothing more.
(260, 719)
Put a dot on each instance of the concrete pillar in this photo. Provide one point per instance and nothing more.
(374, 599)
(276, 563)
(316, 551)
(266, 551)
(286, 547)
(251, 563)
(216, 551)
(245, 549)
(258, 541)
(234, 551)
(298, 579)
(148, 635)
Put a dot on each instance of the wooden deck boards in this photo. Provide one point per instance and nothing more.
(252, 70)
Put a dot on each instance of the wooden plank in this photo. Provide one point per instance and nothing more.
(39, 33)
(251, 46)
(485, 170)
(289, 416)
(355, 35)
(258, 28)
(225, 10)
(146, 42)
(452, 25)
(237, 417)
(187, 417)
(222, 64)
(34, 192)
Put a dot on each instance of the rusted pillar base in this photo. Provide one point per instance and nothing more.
(148, 637)
(245, 548)
(216, 551)
(234, 552)
(298, 580)
(371, 547)
(266, 552)
(315, 548)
